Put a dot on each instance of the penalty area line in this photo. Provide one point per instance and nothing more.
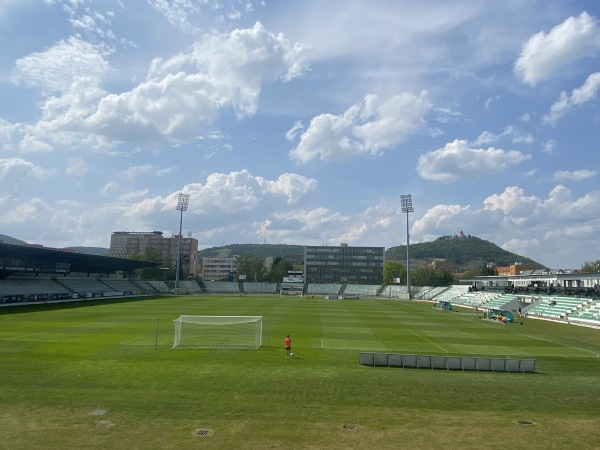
(129, 340)
(559, 343)
(24, 336)
(427, 340)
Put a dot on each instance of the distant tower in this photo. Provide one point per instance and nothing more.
(461, 234)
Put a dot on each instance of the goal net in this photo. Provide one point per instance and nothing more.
(218, 332)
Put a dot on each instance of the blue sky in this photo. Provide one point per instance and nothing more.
(303, 122)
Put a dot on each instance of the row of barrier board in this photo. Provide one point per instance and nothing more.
(475, 363)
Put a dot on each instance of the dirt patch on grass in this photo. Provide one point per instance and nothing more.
(105, 424)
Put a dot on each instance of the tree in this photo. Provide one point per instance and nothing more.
(164, 272)
(427, 276)
(391, 270)
(591, 266)
(488, 270)
(279, 269)
(251, 266)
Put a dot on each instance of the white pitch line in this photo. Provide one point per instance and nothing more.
(557, 343)
(24, 335)
(426, 340)
(129, 340)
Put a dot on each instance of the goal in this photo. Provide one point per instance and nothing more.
(218, 332)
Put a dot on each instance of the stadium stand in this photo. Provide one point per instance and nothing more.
(223, 287)
(393, 291)
(556, 307)
(429, 293)
(159, 287)
(483, 299)
(449, 294)
(324, 288)
(258, 287)
(288, 288)
(25, 290)
(188, 287)
(589, 314)
(362, 290)
(84, 287)
(125, 285)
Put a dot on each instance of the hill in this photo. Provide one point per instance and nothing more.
(467, 252)
(4, 239)
(100, 251)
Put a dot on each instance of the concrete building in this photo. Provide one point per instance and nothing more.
(124, 244)
(344, 264)
(215, 269)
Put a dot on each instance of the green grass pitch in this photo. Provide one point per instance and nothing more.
(96, 376)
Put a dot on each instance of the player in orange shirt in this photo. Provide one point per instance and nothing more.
(288, 346)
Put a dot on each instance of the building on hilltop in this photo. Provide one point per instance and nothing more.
(344, 264)
(124, 244)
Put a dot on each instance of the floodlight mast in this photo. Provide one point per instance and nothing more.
(182, 205)
(406, 204)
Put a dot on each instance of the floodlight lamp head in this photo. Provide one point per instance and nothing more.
(406, 203)
(183, 201)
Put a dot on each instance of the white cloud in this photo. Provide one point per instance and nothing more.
(512, 132)
(55, 69)
(367, 128)
(490, 100)
(9, 133)
(559, 206)
(133, 172)
(230, 193)
(15, 212)
(512, 200)
(575, 175)
(457, 161)
(549, 146)
(584, 94)
(521, 246)
(177, 12)
(543, 54)
(486, 137)
(21, 167)
(528, 225)
(109, 189)
(190, 89)
(290, 135)
(525, 118)
(289, 185)
(181, 95)
(437, 218)
(78, 167)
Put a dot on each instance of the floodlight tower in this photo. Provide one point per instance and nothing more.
(406, 203)
(182, 205)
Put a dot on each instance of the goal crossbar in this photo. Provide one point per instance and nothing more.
(218, 332)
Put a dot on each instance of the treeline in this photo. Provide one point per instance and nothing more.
(395, 273)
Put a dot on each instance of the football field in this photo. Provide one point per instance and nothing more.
(103, 375)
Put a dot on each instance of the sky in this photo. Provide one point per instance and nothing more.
(303, 122)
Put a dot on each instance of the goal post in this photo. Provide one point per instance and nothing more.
(218, 332)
